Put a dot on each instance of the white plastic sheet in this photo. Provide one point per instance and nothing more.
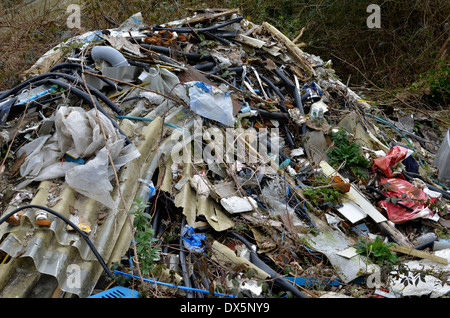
(211, 102)
(78, 134)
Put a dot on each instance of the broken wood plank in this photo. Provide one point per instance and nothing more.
(295, 52)
(418, 253)
(204, 17)
(395, 234)
(364, 207)
(298, 36)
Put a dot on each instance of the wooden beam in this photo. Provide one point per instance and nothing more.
(418, 253)
(209, 16)
(294, 52)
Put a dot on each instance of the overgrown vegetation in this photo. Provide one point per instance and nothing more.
(377, 250)
(347, 154)
(321, 192)
(148, 253)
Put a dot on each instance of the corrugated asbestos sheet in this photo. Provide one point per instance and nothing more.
(45, 260)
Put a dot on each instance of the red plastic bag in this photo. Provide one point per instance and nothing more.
(395, 155)
(408, 195)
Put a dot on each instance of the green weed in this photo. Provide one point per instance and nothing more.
(378, 251)
(148, 254)
(347, 153)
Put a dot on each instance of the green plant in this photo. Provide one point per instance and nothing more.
(148, 254)
(348, 154)
(377, 250)
(319, 196)
(320, 192)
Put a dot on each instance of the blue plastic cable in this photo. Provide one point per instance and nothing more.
(148, 119)
(36, 96)
(173, 285)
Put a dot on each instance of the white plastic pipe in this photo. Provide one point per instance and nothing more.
(108, 54)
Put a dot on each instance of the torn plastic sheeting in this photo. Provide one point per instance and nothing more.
(394, 156)
(210, 102)
(433, 283)
(191, 240)
(408, 195)
(78, 134)
(330, 242)
(165, 82)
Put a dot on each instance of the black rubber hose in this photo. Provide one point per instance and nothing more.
(193, 30)
(278, 279)
(85, 96)
(71, 65)
(226, 34)
(277, 91)
(85, 237)
(282, 118)
(272, 86)
(425, 244)
(205, 66)
(283, 156)
(296, 94)
(167, 51)
(72, 78)
(273, 115)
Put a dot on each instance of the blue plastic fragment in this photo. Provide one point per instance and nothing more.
(117, 292)
(193, 241)
(80, 161)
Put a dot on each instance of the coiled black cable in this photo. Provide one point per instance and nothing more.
(72, 78)
(71, 65)
(76, 228)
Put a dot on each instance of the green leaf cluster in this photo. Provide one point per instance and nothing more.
(378, 251)
(348, 153)
(148, 254)
(320, 196)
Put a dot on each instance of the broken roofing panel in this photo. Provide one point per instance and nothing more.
(223, 129)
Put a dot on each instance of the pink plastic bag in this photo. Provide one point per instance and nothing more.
(395, 155)
(405, 193)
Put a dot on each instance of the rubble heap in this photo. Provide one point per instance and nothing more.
(247, 168)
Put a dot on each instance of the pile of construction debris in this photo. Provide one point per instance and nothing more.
(258, 172)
